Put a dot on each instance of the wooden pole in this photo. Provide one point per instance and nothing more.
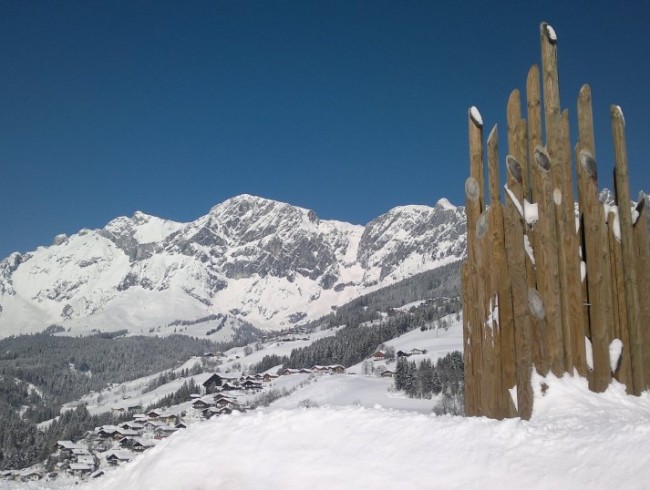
(595, 252)
(572, 307)
(628, 247)
(548, 283)
(515, 256)
(505, 346)
(475, 204)
(553, 123)
(643, 261)
(517, 139)
(469, 304)
(534, 118)
(597, 289)
(623, 372)
(475, 122)
(471, 315)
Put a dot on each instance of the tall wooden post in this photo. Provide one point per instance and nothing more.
(515, 256)
(643, 260)
(628, 246)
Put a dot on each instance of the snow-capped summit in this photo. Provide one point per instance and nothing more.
(250, 258)
(445, 204)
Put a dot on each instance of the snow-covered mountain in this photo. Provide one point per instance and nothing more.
(249, 259)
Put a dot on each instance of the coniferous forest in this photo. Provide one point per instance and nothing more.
(41, 372)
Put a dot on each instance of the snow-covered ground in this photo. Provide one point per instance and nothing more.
(576, 439)
(353, 431)
(341, 390)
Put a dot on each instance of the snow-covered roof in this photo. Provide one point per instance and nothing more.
(67, 445)
(143, 442)
(121, 455)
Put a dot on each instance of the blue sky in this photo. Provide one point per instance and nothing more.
(347, 108)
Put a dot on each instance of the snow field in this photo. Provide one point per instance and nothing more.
(576, 439)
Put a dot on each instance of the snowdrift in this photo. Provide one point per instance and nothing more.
(575, 439)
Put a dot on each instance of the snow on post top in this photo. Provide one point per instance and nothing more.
(618, 112)
(550, 32)
(476, 116)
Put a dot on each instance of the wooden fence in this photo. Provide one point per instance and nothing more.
(547, 285)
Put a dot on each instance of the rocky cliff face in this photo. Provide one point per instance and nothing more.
(249, 258)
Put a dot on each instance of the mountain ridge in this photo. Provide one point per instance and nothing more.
(249, 258)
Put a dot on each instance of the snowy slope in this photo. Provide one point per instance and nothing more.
(256, 260)
(360, 433)
(232, 363)
(575, 440)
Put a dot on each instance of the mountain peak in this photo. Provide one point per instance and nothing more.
(445, 204)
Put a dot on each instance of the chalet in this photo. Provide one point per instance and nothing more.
(208, 354)
(168, 418)
(180, 425)
(28, 475)
(268, 377)
(210, 412)
(108, 431)
(80, 451)
(66, 446)
(402, 354)
(97, 474)
(304, 371)
(221, 396)
(224, 402)
(213, 383)
(153, 414)
(126, 442)
(251, 385)
(203, 403)
(120, 433)
(335, 368)
(153, 425)
(133, 407)
(290, 371)
(230, 405)
(229, 387)
(164, 431)
(117, 411)
(131, 426)
(379, 355)
(116, 457)
(80, 469)
(88, 460)
(417, 351)
(387, 374)
(141, 445)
